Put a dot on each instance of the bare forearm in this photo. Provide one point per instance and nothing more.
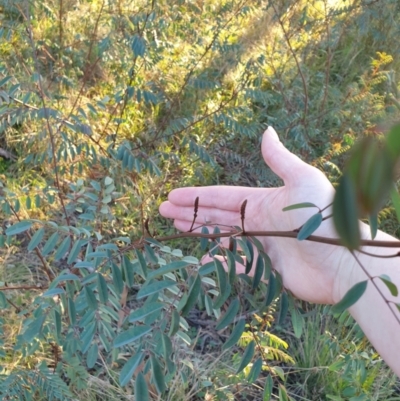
(376, 311)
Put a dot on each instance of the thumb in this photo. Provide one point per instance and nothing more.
(282, 162)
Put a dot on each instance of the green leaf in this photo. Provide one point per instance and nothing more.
(283, 307)
(92, 355)
(268, 386)
(117, 278)
(390, 285)
(258, 272)
(272, 286)
(297, 322)
(351, 297)
(247, 356)
(174, 327)
(71, 312)
(192, 296)
(90, 298)
(36, 238)
(63, 248)
(255, 371)
(102, 288)
(396, 202)
(229, 315)
(50, 244)
(127, 268)
(18, 228)
(248, 252)
(393, 142)
(54, 291)
(74, 251)
(204, 241)
(138, 46)
(154, 287)
(108, 181)
(3, 301)
(309, 226)
(34, 329)
(235, 335)
(231, 266)
(142, 263)
(131, 335)
(129, 368)
(221, 275)
(158, 375)
(141, 389)
(299, 206)
(282, 393)
(345, 213)
(373, 225)
(144, 311)
(167, 346)
(170, 267)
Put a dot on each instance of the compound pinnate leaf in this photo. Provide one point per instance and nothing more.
(309, 226)
(229, 315)
(141, 388)
(247, 356)
(351, 297)
(129, 368)
(299, 206)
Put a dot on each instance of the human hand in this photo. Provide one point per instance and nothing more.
(311, 271)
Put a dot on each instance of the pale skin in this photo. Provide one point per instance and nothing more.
(312, 271)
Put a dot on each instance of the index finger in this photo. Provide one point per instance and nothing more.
(219, 196)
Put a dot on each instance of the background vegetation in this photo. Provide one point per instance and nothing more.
(107, 106)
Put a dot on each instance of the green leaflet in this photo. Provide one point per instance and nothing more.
(247, 356)
(141, 389)
(299, 206)
(192, 295)
(129, 368)
(131, 335)
(351, 297)
(19, 227)
(309, 226)
(229, 315)
(36, 239)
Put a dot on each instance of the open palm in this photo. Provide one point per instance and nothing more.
(309, 270)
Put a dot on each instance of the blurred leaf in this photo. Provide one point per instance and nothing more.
(373, 225)
(145, 310)
(102, 288)
(90, 298)
(174, 327)
(272, 287)
(73, 255)
(345, 214)
(36, 239)
(204, 241)
(158, 375)
(299, 206)
(50, 244)
(247, 356)
(91, 357)
(117, 278)
(309, 226)
(390, 285)
(268, 386)
(170, 267)
(229, 315)
(258, 271)
(255, 370)
(156, 286)
(142, 263)
(283, 307)
(192, 296)
(131, 335)
(129, 368)
(393, 142)
(19, 227)
(141, 389)
(351, 297)
(395, 197)
(282, 393)
(34, 329)
(63, 248)
(221, 275)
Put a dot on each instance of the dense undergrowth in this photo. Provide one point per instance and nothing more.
(107, 106)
